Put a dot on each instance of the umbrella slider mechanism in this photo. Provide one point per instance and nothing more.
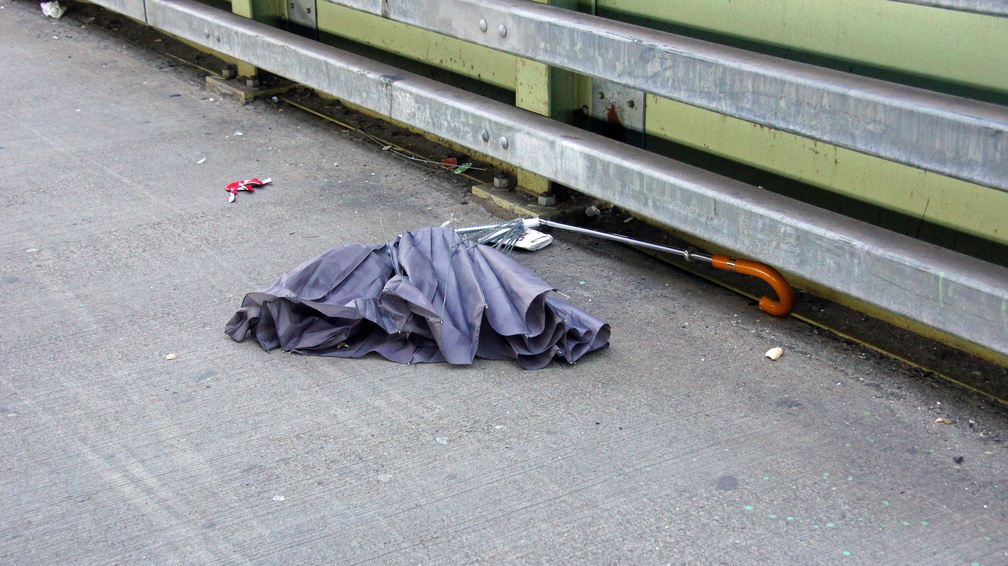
(785, 294)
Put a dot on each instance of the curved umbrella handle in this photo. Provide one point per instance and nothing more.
(785, 294)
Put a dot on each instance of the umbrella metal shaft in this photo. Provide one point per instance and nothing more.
(777, 307)
(686, 254)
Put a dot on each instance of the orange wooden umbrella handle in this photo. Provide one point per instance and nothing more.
(785, 294)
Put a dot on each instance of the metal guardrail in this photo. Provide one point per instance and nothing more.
(985, 7)
(953, 293)
(954, 136)
(135, 9)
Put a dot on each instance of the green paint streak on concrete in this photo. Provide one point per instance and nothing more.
(885, 503)
(925, 523)
(905, 523)
(845, 553)
(773, 516)
(830, 525)
(790, 518)
(748, 507)
(825, 475)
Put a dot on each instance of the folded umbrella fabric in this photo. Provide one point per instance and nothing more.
(427, 296)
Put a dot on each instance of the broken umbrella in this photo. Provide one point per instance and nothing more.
(426, 296)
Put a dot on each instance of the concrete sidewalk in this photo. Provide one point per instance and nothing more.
(679, 444)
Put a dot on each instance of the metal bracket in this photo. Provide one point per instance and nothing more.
(618, 111)
(302, 18)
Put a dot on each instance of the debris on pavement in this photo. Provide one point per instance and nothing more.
(246, 185)
(171, 356)
(452, 164)
(426, 296)
(53, 9)
(774, 353)
(944, 420)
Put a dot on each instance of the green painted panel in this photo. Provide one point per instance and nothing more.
(937, 199)
(466, 59)
(946, 45)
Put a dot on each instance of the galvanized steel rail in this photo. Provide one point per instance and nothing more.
(953, 293)
(985, 7)
(954, 136)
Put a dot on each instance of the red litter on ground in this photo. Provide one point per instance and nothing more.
(246, 185)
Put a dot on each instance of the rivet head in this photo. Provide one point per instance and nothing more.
(502, 30)
(483, 25)
(630, 103)
(206, 33)
(485, 135)
(217, 37)
(504, 142)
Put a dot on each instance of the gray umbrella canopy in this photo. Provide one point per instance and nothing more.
(427, 296)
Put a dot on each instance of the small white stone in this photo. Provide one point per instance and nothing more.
(774, 353)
